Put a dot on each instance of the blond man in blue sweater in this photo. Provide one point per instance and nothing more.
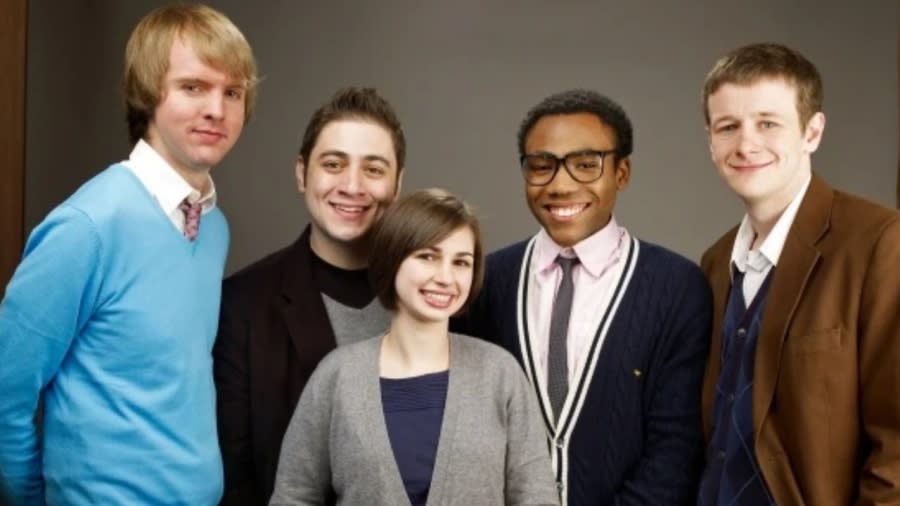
(111, 316)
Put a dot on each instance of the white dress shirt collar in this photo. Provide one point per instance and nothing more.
(770, 250)
(595, 253)
(164, 183)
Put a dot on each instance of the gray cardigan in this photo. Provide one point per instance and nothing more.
(492, 448)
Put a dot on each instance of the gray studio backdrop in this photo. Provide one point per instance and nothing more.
(461, 75)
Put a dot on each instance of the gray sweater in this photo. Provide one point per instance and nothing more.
(492, 448)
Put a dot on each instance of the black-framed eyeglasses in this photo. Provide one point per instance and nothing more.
(584, 166)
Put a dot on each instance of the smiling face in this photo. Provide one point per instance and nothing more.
(568, 210)
(348, 182)
(200, 114)
(433, 283)
(757, 142)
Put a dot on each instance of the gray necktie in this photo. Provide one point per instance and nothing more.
(557, 361)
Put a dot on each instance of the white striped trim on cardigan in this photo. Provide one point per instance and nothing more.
(559, 434)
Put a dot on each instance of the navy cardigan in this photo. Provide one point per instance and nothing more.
(633, 435)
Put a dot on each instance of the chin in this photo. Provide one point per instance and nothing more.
(563, 239)
(748, 190)
(431, 317)
(351, 235)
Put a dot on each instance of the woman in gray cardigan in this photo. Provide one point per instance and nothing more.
(419, 415)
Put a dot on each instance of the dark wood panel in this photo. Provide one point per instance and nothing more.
(13, 28)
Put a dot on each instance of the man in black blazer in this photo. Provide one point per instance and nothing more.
(285, 312)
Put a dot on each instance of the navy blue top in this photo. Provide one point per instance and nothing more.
(413, 411)
(732, 474)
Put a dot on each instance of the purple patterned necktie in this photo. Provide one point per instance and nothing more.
(191, 218)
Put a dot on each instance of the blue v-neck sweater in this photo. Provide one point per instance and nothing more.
(111, 316)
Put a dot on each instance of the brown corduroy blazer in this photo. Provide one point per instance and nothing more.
(826, 387)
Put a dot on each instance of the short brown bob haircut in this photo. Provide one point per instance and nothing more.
(748, 64)
(355, 104)
(213, 37)
(419, 220)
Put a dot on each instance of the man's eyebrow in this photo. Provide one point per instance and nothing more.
(573, 152)
(727, 117)
(191, 79)
(377, 158)
(188, 79)
(760, 114)
(333, 152)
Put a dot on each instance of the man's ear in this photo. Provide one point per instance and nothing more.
(300, 174)
(623, 173)
(812, 134)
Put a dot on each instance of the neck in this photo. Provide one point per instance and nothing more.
(412, 348)
(199, 179)
(762, 223)
(764, 214)
(349, 256)
(196, 177)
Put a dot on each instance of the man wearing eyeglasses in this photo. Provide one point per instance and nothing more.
(612, 331)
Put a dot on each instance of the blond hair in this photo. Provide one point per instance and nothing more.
(213, 37)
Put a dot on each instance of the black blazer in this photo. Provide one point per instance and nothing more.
(273, 331)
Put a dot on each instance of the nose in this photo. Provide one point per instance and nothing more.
(215, 106)
(352, 181)
(562, 182)
(444, 273)
(747, 141)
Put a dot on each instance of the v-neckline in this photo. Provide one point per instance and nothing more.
(620, 282)
(160, 213)
(446, 438)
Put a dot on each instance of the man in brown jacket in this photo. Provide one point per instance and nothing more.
(801, 398)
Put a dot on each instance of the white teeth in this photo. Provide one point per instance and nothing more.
(565, 212)
(438, 298)
(350, 209)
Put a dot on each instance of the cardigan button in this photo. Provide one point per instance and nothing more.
(742, 332)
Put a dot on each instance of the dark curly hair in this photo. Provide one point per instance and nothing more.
(580, 101)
